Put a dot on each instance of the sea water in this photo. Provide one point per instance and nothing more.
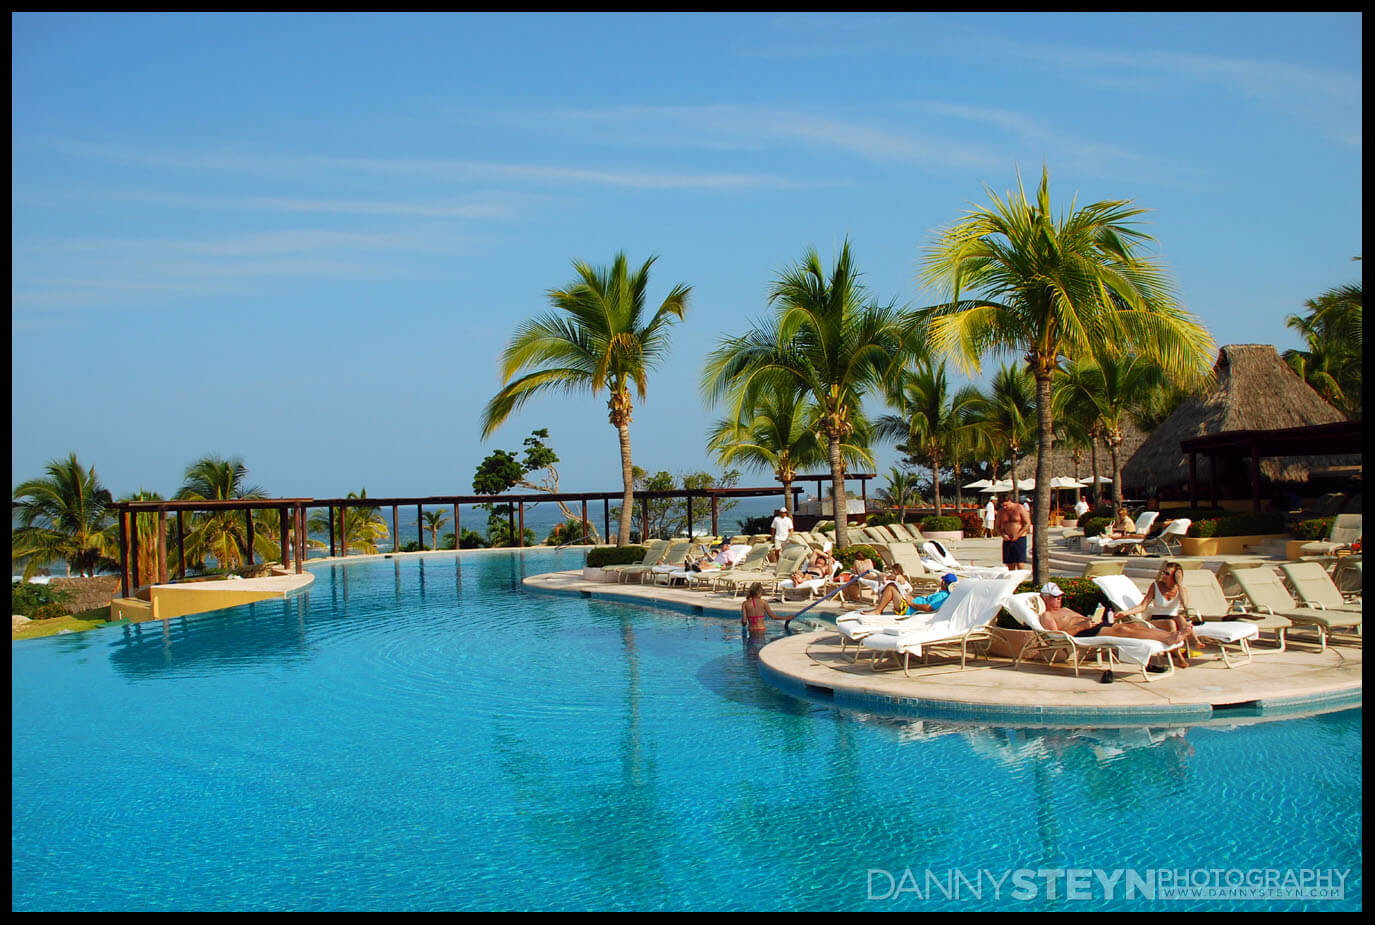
(423, 733)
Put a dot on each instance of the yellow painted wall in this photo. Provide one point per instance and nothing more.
(178, 602)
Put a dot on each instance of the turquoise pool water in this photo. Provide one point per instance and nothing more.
(423, 734)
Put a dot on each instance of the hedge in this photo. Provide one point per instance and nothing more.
(849, 554)
(934, 523)
(1249, 524)
(615, 555)
(1319, 528)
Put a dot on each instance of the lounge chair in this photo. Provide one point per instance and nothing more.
(1208, 600)
(963, 618)
(1346, 529)
(1124, 594)
(938, 559)
(789, 559)
(901, 533)
(1104, 567)
(1051, 643)
(1347, 575)
(1315, 587)
(671, 560)
(811, 585)
(654, 553)
(708, 579)
(918, 575)
(1267, 594)
(1126, 544)
(1171, 534)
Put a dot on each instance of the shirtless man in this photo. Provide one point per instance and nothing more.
(1055, 616)
(1013, 525)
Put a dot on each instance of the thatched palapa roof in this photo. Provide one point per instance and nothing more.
(1253, 390)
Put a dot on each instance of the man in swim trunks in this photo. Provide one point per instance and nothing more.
(1055, 616)
(1013, 525)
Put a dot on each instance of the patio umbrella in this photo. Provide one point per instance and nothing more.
(1061, 481)
(1088, 480)
(1026, 484)
(999, 487)
(981, 483)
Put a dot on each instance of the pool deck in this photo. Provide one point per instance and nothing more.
(811, 664)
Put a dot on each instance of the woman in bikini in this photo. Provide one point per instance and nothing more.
(755, 610)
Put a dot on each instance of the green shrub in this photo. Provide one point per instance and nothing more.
(849, 554)
(614, 555)
(49, 611)
(26, 598)
(941, 523)
(1247, 524)
(414, 546)
(1095, 525)
(1319, 528)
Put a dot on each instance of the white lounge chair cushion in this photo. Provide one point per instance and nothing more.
(1232, 631)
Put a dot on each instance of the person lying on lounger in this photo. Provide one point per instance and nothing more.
(1164, 604)
(819, 567)
(901, 599)
(1055, 616)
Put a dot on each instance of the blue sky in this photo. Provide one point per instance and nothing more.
(304, 240)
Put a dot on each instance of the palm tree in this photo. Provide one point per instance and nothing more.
(1052, 288)
(597, 337)
(779, 433)
(1333, 361)
(965, 437)
(434, 522)
(1007, 414)
(146, 527)
(222, 534)
(362, 524)
(64, 516)
(1113, 387)
(826, 339)
(927, 419)
(901, 491)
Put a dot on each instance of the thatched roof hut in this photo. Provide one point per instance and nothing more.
(1254, 390)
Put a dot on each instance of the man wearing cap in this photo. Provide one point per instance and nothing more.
(925, 603)
(1055, 616)
(782, 527)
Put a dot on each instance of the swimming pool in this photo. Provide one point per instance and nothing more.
(421, 733)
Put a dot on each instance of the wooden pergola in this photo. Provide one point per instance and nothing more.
(1340, 438)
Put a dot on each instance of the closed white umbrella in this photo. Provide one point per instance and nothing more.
(1088, 480)
(981, 483)
(1026, 484)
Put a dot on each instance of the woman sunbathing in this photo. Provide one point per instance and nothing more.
(1164, 604)
(1055, 616)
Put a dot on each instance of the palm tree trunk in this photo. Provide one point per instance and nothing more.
(838, 495)
(936, 480)
(787, 498)
(628, 480)
(1045, 424)
(1093, 470)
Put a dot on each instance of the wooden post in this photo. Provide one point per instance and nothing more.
(715, 501)
(123, 553)
(458, 532)
(584, 520)
(300, 538)
(133, 545)
(511, 520)
(330, 511)
(248, 520)
(644, 522)
(1193, 479)
(606, 514)
(395, 532)
(420, 527)
(689, 507)
(286, 537)
(343, 530)
(162, 546)
(181, 546)
(520, 537)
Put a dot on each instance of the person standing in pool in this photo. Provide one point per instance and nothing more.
(1013, 525)
(755, 610)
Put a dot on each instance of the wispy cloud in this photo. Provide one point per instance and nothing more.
(436, 169)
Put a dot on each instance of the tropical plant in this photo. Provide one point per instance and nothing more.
(778, 433)
(899, 494)
(599, 337)
(362, 524)
(222, 534)
(1051, 288)
(1006, 415)
(1333, 361)
(825, 338)
(435, 521)
(1113, 387)
(146, 526)
(930, 426)
(64, 516)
